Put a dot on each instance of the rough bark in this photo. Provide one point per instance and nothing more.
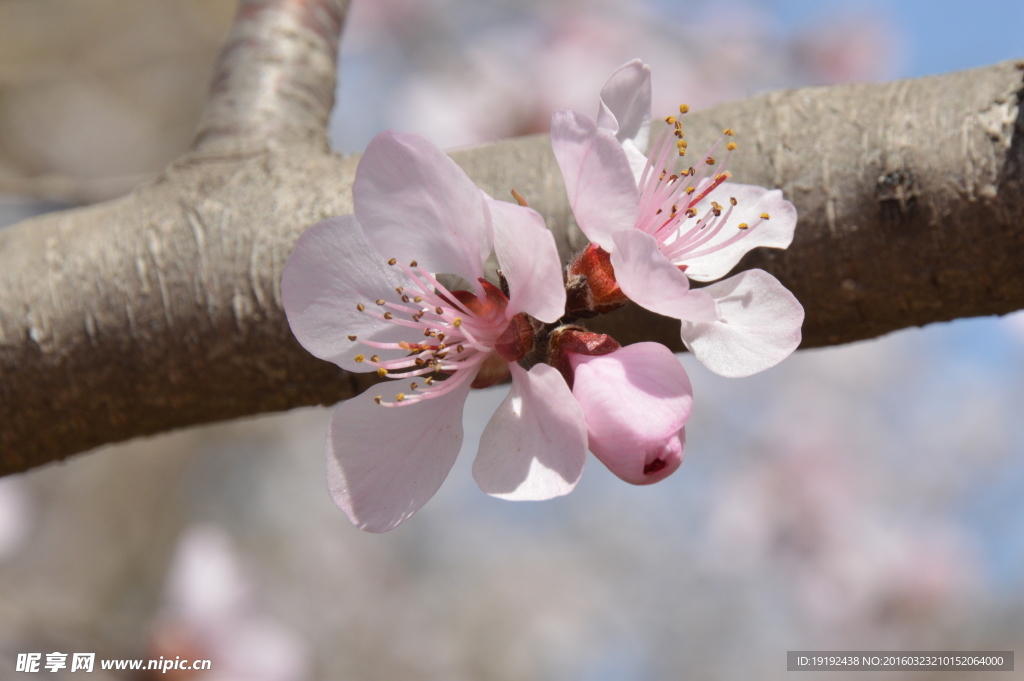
(162, 309)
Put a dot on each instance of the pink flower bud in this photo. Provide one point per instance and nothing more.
(636, 401)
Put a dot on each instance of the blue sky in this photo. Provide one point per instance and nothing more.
(939, 35)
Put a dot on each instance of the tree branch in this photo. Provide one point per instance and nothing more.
(162, 309)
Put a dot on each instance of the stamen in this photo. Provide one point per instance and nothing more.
(378, 398)
(731, 146)
(732, 200)
(743, 225)
(375, 359)
(729, 132)
(764, 216)
(457, 322)
(351, 338)
(391, 262)
(382, 372)
(519, 199)
(683, 108)
(399, 397)
(359, 358)
(360, 307)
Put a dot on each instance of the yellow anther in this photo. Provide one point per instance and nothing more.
(764, 216)
(710, 161)
(690, 190)
(399, 397)
(683, 108)
(682, 152)
(682, 144)
(381, 301)
(391, 262)
(691, 212)
(457, 322)
(417, 299)
(670, 119)
(731, 146)
(360, 358)
(743, 225)
(729, 131)
(382, 372)
(428, 380)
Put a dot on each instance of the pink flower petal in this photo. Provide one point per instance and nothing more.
(636, 401)
(626, 104)
(535, 445)
(384, 463)
(759, 327)
(651, 281)
(529, 260)
(752, 201)
(598, 177)
(415, 203)
(332, 269)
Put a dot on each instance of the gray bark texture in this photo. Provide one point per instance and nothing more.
(162, 309)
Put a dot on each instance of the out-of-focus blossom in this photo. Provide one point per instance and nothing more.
(366, 284)
(664, 226)
(807, 517)
(210, 613)
(15, 516)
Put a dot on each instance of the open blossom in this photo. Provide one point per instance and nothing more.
(664, 225)
(362, 291)
(636, 401)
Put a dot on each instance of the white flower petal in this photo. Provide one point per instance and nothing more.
(332, 269)
(652, 282)
(759, 326)
(626, 104)
(529, 260)
(598, 177)
(384, 463)
(535, 445)
(415, 203)
(752, 201)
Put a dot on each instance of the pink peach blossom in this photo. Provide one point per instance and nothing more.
(636, 401)
(361, 291)
(664, 226)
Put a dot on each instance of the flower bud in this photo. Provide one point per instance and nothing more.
(591, 287)
(636, 401)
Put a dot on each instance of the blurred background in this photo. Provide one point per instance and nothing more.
(864, 496)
